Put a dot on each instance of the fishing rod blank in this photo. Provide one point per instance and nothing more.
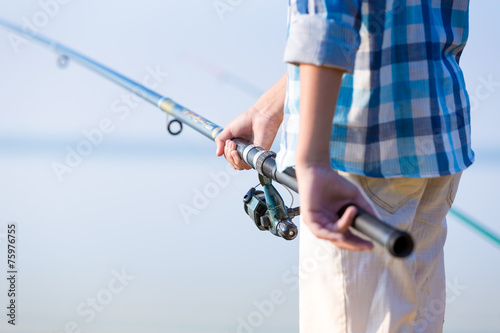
(399, 243)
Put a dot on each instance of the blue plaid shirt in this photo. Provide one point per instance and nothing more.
(403, 110)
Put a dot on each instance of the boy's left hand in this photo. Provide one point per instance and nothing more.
(322, 194)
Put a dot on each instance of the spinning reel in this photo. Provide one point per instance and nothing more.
(268, 211)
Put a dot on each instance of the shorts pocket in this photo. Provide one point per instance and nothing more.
(392, 193)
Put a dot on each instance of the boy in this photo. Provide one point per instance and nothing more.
(384, 123)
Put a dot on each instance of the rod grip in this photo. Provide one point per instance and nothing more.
(397, 242)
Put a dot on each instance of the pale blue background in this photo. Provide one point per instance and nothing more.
(120, 208)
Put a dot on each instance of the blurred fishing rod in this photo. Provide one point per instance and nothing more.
(476, 226)
(266, 208)
(221, 74)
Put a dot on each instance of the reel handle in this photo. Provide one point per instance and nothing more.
(287, 230)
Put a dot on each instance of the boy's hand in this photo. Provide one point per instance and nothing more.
(322, 194)
(257, 125)
(252, 125)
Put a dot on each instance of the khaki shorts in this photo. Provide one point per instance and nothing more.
(363, 292)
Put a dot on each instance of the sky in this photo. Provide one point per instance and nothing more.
(107, 247)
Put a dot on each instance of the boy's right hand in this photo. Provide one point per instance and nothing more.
(255, 126)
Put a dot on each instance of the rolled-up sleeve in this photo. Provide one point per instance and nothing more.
(323, 33)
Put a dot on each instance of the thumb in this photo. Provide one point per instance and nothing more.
(220, 141)
(263, 139)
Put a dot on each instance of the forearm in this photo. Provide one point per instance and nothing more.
(271, 103)
(318, 97)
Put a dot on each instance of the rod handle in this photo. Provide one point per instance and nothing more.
(397, 242)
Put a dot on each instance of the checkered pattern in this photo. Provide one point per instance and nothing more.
(403, 109)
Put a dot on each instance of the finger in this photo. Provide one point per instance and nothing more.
(346, 240)
(338, 233)
(338, 226)
(238, 161)
(220, 147)
(241, 165)
(229, 156)
(323, 231)
(346, 220)
(349, 241)
(220, 141)
(235, 157)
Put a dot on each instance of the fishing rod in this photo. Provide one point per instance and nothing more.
(266, 208)
(246, 87)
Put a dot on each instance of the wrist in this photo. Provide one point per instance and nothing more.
(271, 104)
(311, 158)
(302, 165)
(269, 108)
(314, 155)
(265, 115)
